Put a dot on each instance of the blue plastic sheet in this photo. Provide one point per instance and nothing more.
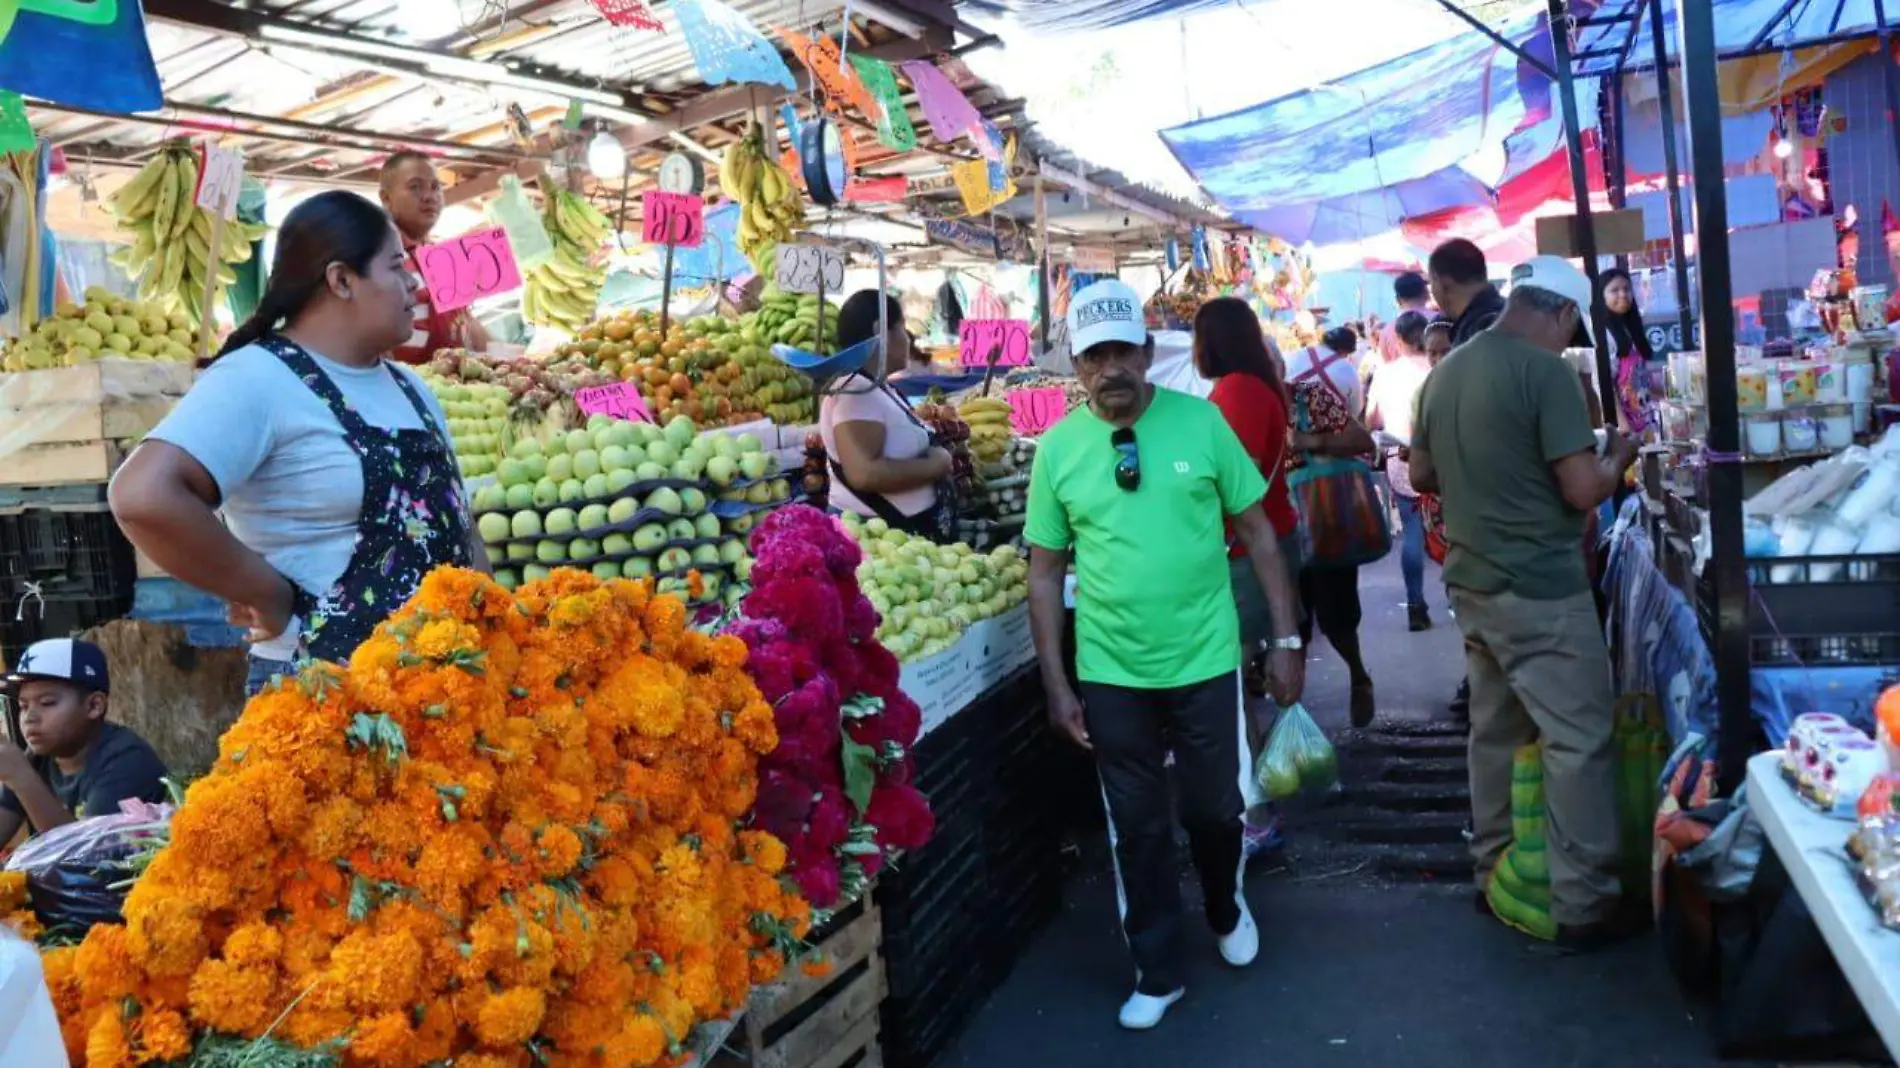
(1353, 158)
(1602, 44)
(718, 257)
(89, 55)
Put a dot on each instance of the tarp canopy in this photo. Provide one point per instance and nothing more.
(1742, 27)
(1074, 16)
(1437, 128)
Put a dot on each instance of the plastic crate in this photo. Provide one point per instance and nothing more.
(65, 554)
(1818, 610)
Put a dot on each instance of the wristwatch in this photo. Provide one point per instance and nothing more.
(1290, 642)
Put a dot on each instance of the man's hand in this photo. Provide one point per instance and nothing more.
(1621, 449)
(1065, 715)
(1286, 675)
(266, 619)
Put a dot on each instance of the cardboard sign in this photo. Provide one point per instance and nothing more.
(220, 179)
(672, 219)
(620, 400)
(802, 268)
(466, 269)
(1032, 411)
(1093, 260)
(1007, 338)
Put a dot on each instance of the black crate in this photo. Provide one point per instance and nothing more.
(65, 554)
(1817, 610)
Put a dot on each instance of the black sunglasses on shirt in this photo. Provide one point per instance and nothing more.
(1128, 459)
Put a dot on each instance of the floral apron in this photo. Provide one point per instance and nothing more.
(413, 517)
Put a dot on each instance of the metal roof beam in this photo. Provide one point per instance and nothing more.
(1499, 39)
(265, 29)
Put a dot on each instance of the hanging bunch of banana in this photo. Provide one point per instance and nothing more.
(768, 199)
(171, 253)
(563, 290)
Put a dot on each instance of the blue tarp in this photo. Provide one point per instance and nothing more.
(1738, 23)
(1354, 158)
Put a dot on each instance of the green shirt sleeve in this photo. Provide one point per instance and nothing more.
(1563, 421)
(1236, 474)
(1047, 524)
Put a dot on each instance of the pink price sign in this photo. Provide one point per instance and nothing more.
(1006, 341)
(672, 219)
(1032, 411)
(463, 270)
(617, 401)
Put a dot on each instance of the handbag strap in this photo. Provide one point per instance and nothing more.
(877, 502)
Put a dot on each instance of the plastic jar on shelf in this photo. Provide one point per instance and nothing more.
(1763, 433)
(1836, 425)
(1800, 431)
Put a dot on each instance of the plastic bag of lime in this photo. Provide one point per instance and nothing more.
(1297, 757)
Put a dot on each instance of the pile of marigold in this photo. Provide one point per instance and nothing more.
(507, 833)
(837, 790)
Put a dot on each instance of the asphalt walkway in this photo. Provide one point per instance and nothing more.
(1355, 969)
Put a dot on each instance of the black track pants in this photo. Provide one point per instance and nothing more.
(1205, 726)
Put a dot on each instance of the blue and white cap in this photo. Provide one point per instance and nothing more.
(62, 659)
(1109, 310)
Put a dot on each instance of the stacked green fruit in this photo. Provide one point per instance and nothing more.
(478, 421)
(171, 251)
(105, 325)
(790, 319)
(927, 595)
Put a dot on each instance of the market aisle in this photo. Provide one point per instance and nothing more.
(1355, 969)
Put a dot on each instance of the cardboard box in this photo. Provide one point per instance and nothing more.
(1617, 233)
(990, 651)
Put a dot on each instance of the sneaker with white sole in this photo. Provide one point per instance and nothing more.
(1241, 945)
(1143, 1011)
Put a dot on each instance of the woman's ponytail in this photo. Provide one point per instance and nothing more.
(333, 227)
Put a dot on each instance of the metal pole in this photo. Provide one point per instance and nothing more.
(666, 286)
(1580, 189)
(1702, 100)
(1678, 244)
(1043, 260)
(1615, 173)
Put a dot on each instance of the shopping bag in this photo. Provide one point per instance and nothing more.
(1342, 522)
(521, 221)
(1431, 511)
(1298, 758)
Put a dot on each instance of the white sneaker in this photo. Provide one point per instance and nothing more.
(1143, 1011)
(1241, 945)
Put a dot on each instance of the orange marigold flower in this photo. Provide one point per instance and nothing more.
(642, 1041)
(162, 1036)
(225, 997)
(103, 963)
(559, 849)
(763, 850)
(385, 1041)
(511, 1017)
(107, 1044)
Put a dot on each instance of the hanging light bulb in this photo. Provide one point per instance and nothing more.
(606, 156)
(1783, 147)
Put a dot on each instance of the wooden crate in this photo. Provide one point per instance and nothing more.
(79, 422)
(824, 1021)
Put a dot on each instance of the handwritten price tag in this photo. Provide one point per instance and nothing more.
(466, 269)
(619, 400)
(220, 179)
(801, 268)
(1032, 411)
(1008, 338)
(1093, 260)
(672, 219)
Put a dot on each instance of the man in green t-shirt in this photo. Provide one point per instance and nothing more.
(1504, 435)
(1137, 488)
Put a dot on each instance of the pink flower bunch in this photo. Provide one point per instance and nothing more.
(838, 789)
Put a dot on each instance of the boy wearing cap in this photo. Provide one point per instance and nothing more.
(1137, 487)
(1504, 433)
(75, 763)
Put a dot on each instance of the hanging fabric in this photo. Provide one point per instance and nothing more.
(629, 15)
(822, 58)
(950, 113)
(727, 48)
(894, 130)
(90, 55)
(243, 295)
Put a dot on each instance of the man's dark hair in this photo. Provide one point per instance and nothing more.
(1342, 339)
(1458, 261)
(1410, 327)
(1409, 286)
(397, 161)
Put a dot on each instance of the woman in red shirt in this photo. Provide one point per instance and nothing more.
(1250, 391)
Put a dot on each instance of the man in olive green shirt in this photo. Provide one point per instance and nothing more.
(1137, 488)
(1504, 435)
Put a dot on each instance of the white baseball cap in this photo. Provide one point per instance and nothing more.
(1554, 274)
(1109, 310)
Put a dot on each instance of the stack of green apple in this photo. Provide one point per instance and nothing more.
(478, 421)
(622, 499)
(927, 595)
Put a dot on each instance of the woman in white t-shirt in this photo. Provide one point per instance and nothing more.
(306, 479)
(1391, 406)
(884, 463)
